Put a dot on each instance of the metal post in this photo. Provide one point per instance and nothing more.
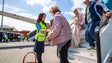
(2, 16)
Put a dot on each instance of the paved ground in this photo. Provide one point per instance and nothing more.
(14, 52)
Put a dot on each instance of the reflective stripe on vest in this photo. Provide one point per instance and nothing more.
(40, 37)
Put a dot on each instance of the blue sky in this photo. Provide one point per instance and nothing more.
(31, 9)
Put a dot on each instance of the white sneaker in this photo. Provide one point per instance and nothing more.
(90, 48)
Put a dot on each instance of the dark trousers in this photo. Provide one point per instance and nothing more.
(64, 53)
(39, 49)
(39, 57)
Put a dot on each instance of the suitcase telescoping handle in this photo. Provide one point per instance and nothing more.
(28, 54)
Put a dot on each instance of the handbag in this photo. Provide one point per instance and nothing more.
(35, 58)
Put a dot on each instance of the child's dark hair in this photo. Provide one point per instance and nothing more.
(40, 16)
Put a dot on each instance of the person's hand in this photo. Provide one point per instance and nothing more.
(47, 40)
(109, 13)
(48, 30)
(44, 30)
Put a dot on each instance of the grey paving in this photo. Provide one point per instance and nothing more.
(13, 52)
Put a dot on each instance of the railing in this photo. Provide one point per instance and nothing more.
(31, 35)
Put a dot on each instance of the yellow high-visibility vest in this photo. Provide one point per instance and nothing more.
(40, 37)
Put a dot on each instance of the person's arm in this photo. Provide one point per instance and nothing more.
(40, 29)
(109, 14)
(56, 28)
(105, 9)
(82, 19)
(44, 30)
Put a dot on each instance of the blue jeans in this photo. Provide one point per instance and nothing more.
(90, 33)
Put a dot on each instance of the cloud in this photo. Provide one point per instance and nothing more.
(38, 2)
(46, 4)
(69, 13)
(12, 8)
(18, 11)
(77, 3)
(20, 25)
(47, 8)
